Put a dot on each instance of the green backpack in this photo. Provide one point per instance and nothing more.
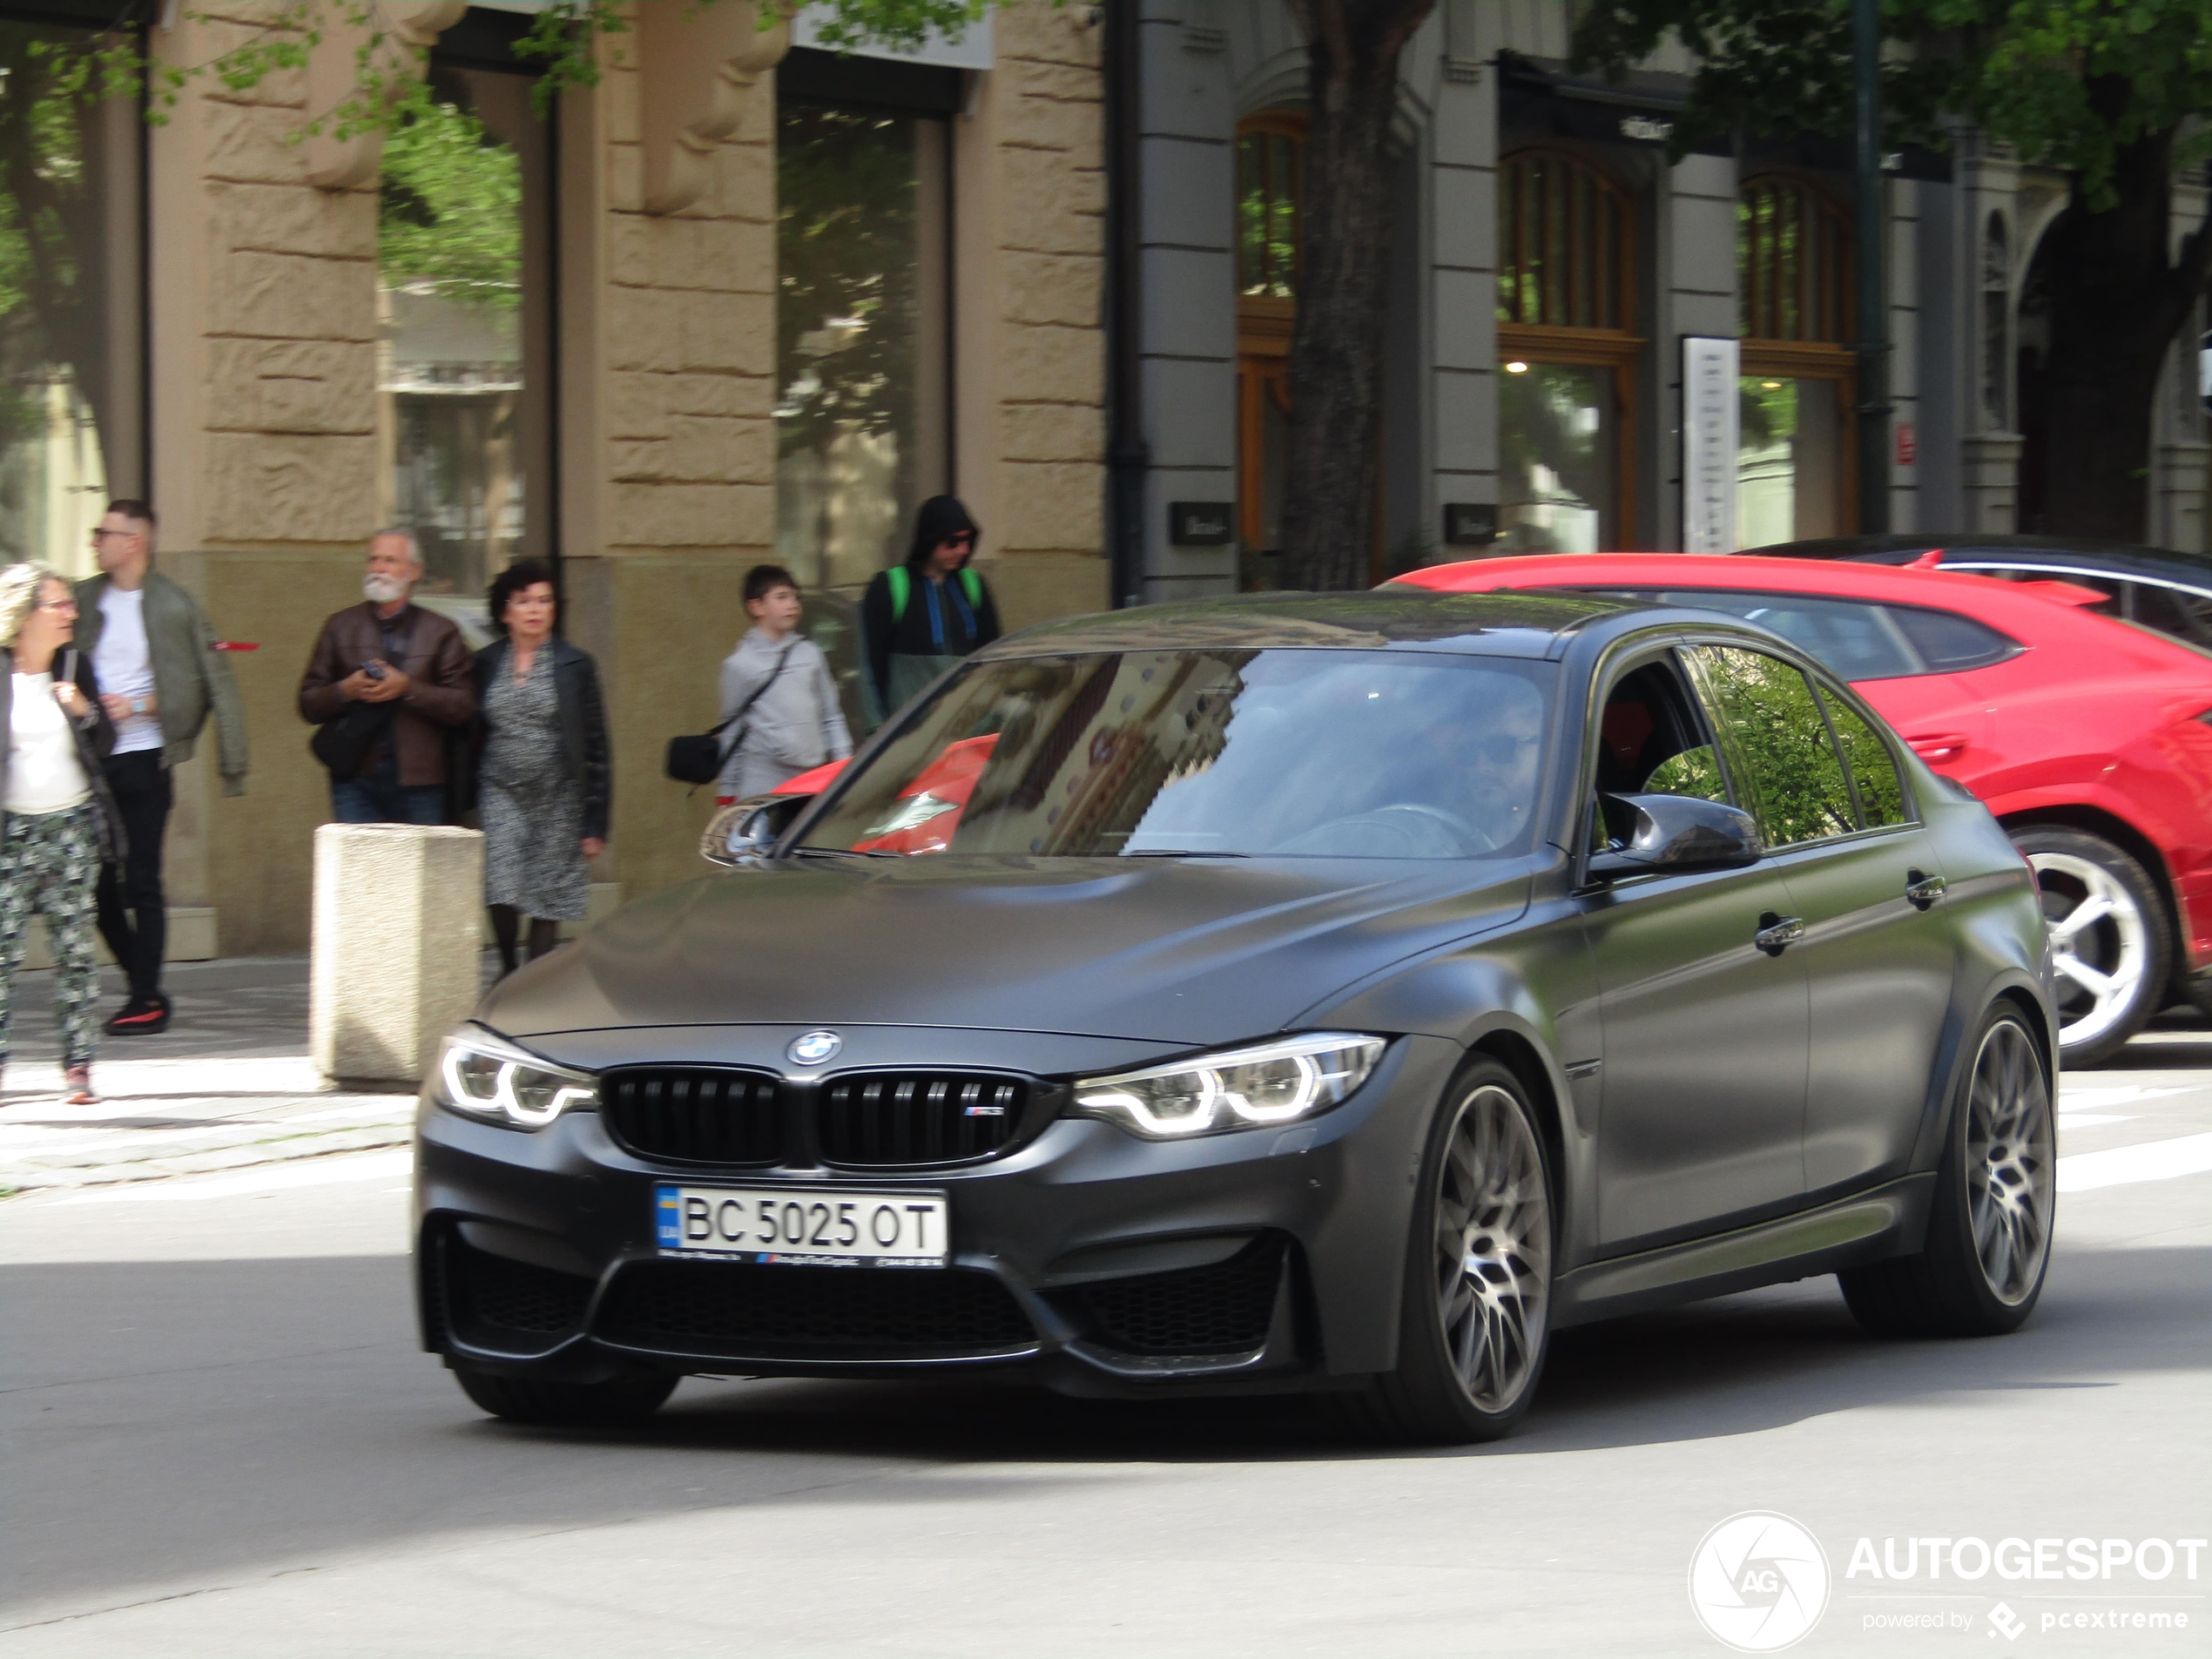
(902, 589)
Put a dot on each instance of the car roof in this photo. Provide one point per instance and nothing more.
(2061, 552)
(1737, 571)
(1492, 625)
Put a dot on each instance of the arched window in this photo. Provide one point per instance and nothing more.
(1567, 350)
(1794, 302)
(1996, 326)
(1793, 261)
(1270, 176)
(1564, 249)
(1270, 157)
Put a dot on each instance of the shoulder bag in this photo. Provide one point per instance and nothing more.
(698, 759)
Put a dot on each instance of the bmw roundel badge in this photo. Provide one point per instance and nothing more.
(814, 1047)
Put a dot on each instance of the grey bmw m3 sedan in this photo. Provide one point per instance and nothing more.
(1290, 993)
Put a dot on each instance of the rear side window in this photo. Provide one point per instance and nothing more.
(1850, 638)
(1947, 642)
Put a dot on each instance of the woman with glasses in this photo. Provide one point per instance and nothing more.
(921, 617)
(55, 814)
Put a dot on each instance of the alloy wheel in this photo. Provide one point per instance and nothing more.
(2009, 1171)
(1494, 1246)
(2100, 944)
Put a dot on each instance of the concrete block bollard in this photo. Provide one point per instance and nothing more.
(395, 956)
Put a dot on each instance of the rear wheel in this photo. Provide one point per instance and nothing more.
(596, 1405)
(1476, 1321)
(2109, 940)
(1980, 1270)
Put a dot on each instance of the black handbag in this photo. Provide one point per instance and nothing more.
(698, 759)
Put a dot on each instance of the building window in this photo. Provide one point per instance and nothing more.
(72, 335)
(1996, 326)
(465, 323)
(1793, 290)
(862, 416)
(1271, 181)
(1566, 347)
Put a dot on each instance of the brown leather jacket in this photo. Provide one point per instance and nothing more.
(437, 661)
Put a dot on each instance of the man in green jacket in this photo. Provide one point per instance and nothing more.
(160, 677)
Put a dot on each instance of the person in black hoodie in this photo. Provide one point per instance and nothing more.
(922, 616)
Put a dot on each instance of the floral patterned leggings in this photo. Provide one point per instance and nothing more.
(49, 864)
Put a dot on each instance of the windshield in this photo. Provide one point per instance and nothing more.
(1318, 753)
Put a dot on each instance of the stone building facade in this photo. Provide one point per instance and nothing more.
(1549, 262)
(623, 415)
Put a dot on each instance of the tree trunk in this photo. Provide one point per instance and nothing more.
(1336, 348)
(2116, 301)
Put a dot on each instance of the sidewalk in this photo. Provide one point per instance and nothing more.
(229, 1084)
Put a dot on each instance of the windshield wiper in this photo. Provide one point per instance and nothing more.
(1179, 852)
(849, 852)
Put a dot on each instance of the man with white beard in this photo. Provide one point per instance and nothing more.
(386, 684)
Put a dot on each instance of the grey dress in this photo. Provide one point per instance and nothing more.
(532, 813)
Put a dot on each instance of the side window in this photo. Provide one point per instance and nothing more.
(1651, 741)
(1778, 744)
(1873, 768)
(1948, 643)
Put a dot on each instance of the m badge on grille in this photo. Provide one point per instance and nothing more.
(814, 1047)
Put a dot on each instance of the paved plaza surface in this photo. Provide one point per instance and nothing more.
(220, 1440)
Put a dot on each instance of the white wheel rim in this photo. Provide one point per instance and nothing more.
(2100, 945)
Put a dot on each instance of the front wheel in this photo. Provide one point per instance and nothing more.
(1476, 1322)
(1980, 1269)
(2110, 943)
(570, 1405)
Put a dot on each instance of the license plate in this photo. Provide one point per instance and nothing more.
(804, 1226)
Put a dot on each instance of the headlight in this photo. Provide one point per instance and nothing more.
(489, 1077)
(1268, 1083)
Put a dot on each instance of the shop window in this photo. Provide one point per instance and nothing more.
(1996, 326)
(1568, 349)
(1794, 297)
(71, 312)
(465, 323)
(862, 408)
(1270, 163)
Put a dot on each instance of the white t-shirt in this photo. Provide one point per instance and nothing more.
(43, 773)
(124, 665)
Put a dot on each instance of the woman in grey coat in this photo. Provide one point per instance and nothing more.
(779, 682)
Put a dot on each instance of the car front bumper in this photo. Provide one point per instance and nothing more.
(1084, 1257)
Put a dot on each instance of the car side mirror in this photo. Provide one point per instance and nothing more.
(745, 832)
(1675, 834)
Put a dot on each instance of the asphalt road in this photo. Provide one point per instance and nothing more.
(219, 1439)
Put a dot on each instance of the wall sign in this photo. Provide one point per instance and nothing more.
(1201, 524)
(1470, 523)
(1710, 424)
(1908, 443)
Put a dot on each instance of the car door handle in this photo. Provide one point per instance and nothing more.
(1943, 745)
(1924, 890)
(1776, 933)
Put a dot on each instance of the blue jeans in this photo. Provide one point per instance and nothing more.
(378, 797)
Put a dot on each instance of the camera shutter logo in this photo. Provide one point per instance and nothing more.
(1758, 1581)
(814, 1047)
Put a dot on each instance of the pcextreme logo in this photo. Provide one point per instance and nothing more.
(1758, 1581)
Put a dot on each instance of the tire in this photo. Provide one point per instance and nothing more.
(1980, 1270)
(2124, 939)
(600, 1405)
(1476, 1324)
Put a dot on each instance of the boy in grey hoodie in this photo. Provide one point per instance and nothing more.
(782, 682)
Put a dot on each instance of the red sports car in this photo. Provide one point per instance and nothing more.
(2089, 737)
